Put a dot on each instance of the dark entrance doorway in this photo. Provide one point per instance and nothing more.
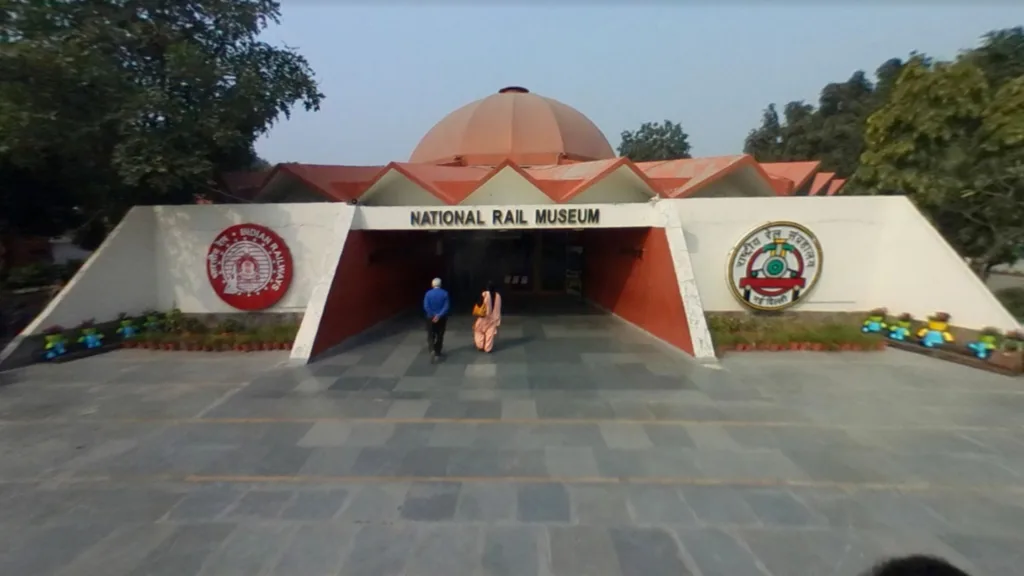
(520, 263)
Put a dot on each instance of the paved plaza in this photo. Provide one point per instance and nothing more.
(580, 447)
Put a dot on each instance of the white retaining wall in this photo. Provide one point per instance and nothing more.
(877, 251)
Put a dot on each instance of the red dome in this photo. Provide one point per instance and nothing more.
(513, 125)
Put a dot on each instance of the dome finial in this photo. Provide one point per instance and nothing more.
(513, 90)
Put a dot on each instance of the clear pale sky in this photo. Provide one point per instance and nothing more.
(391, 72)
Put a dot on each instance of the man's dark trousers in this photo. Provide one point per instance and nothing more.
(435, 334)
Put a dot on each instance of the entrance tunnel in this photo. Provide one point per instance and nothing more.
(627, 272)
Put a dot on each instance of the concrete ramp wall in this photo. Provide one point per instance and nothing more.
(156, 259)
(921, 273)
(878, 251)
(120, 276)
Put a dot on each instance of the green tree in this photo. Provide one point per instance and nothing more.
(832, 132)
(655, 141)
(115, 103)
(955, 146)
(1000, 55)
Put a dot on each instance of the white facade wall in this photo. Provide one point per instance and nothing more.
(185, 232)
(877, 252)
(156, 259)
(120, 276)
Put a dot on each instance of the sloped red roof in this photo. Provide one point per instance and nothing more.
(820, 183)
(791, 175)
(835, 186)
(560, 182)
(243, 185)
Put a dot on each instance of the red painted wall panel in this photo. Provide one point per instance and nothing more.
(379, 275)
(629, 271)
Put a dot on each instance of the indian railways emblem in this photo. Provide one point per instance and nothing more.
(774, 266)
(249, 266)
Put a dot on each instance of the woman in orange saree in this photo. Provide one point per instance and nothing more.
(485, 329)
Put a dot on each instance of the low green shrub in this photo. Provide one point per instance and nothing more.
(1013, 300)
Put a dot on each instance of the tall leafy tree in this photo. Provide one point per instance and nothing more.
(1000, 55)
(122, 102)
(832, 132)
(955, 145)
(655, 141)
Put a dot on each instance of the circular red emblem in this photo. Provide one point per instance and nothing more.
(249, 266)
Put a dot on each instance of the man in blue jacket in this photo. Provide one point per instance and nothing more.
(436, 307)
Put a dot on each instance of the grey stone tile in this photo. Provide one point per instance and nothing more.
(826, 466)
(981, 514)
(647, 552)
(481, 371)
(431, 501)
(630, 410)
(497, 463)
(349, 382)
(676, 411)
(374, 503)
(426, 462)
(840, 509)
(330, 462)
(810, 553)
(543, 503)
(120, 505)
(446, 549)
(408, 409)
(43, 550)
(621, 435)
(250, 549)
(747, 465)
(259, 505)
(716, 553)
(994, 555)
(718, 505)
(486, 502)
(410, 436)
(326, 434)
(502, 436)
(380, 551)
(622, 463)
(376, 461)
(712, 437)
(548, 435)
(656, 504)
(518, 410)
(316, 549)
(512, 550)
(206, 503)
(574, 409)
(282, 461)
(571, 462)
(453, 435)
(120, 552)
(184, 551)
(780, 508)
(669, 436)
(579, 550)
(464, 409)
(753, 437)
(603, 505)
(315, 504)
(369, 434)
(900, 510)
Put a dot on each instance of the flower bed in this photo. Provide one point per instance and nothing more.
(777, 333)
(172, 331)
(163, 331)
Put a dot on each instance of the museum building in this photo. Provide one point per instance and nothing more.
(526, 192)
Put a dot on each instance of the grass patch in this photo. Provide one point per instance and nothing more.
(826, 331)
